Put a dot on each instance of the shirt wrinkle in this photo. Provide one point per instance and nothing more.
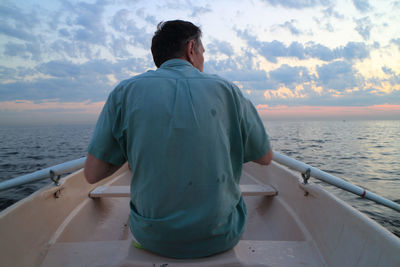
(191, 100)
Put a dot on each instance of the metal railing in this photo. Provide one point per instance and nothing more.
(54, 173)
(307, 171)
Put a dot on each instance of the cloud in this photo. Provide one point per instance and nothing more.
(328, 19)
(188, 6)
(354, 50)
(61, 69)
(318, 111)
(241, 70)
(330, 12)
(272, 50)
(220, 47)
(19, 17)
(16, 32)
(199, 10)
(70, 49)
(25, 50)
(396, 42)
(296, 49)
(364, 27)
(148, 18)
(329, 27)
(252, 78)
(120, 47)
(77, 51)
(77, 31)
(338, 75)
(236, 69)
(297, 4)
(122, 23)
(362, 5)
(79, 26)
(393, 80)
(332, 97)
(289, 25)
(289, 75)
(6, 73)
(246, 75)
(320, 51)
(18, 26)
(275, 49)
(64, 33)
(61, 88)
(387, 70)
(68, 81)
(45, 112)
(218, 65)
(17, 23)
(90, 19)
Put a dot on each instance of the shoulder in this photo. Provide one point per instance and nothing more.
(132, 80)
(126, 84)
(221, 81)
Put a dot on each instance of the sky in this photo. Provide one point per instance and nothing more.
(294, 59)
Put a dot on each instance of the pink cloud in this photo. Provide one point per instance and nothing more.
(347, 112)
(85, 107)
(23, 112)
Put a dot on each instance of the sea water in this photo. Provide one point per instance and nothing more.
(25, 149)
(365, 153)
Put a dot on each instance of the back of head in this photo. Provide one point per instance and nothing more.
(170, 39)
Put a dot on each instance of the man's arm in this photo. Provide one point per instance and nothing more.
(266, 159)
(97, 169)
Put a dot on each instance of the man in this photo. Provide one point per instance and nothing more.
(185, 135)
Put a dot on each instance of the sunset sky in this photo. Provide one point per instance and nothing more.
(59, 60)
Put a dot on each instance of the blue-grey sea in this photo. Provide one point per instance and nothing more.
(366, 153)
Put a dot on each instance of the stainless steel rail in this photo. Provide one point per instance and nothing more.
(303, 168)
(53, 172)
(309, 171)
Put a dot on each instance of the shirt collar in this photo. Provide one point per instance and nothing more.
(175, 62)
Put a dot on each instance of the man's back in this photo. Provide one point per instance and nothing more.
(181, 133)
(185, 135)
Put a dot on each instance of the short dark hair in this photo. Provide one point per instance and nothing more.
(171, 38)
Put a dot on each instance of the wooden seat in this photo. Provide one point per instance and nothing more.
(124, 191)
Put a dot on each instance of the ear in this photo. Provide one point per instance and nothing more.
(190, 50)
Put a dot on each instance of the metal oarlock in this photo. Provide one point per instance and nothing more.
(55, 178)
(306, 175)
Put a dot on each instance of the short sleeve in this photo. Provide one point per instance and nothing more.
(255, 139)
(103, 144)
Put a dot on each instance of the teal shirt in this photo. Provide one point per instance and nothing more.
(185, 135)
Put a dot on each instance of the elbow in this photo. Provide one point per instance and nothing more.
(90, 178)
(266, 159)
(96, 170)
(270, 155)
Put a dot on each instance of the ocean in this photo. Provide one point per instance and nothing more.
(365, 153)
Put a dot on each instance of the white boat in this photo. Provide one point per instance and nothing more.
(289, 224)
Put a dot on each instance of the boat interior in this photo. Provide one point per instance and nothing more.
(286, 226)
(107, 236)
